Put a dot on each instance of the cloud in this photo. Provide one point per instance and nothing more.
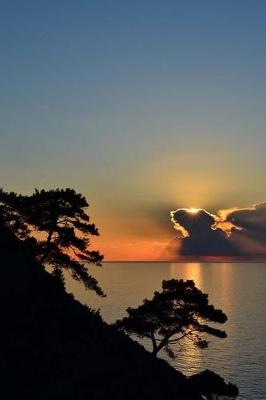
(198, 234)
(251, 235)
(234, 232)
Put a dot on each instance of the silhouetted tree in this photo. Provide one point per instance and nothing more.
(212, 386)
(180, 311)
(56, 226)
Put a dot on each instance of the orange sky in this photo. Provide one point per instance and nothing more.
(135, 240)
(146, 239)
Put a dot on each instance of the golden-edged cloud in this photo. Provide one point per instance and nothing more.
(233, 232)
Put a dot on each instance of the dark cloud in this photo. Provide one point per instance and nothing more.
(230, 233)
(201, 238)
(251, 237)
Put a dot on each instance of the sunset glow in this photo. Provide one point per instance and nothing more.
(193, 210)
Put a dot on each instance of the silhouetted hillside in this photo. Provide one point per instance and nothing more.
(52, 347)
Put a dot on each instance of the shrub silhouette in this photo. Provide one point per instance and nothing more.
(212, 386)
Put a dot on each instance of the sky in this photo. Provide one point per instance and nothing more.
(145, 107)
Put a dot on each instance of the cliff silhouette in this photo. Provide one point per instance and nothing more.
(53, 347)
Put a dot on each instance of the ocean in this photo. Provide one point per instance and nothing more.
(239, 289)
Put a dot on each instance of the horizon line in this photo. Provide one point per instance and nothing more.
(191, 260)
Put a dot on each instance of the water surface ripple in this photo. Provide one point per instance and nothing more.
(239, 289)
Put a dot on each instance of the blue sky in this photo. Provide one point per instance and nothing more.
(143, 106)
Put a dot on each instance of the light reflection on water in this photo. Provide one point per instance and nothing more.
(238, 289)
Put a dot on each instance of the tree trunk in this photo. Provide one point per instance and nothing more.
(154, 345)
(46, 251)
(157, 348)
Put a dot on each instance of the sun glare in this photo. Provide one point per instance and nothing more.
(193, 210)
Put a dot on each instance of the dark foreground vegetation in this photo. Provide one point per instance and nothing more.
(52, 347)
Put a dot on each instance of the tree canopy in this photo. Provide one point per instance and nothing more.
(56, 225)
(181, 311)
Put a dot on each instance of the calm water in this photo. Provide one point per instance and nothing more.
(239, 289)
